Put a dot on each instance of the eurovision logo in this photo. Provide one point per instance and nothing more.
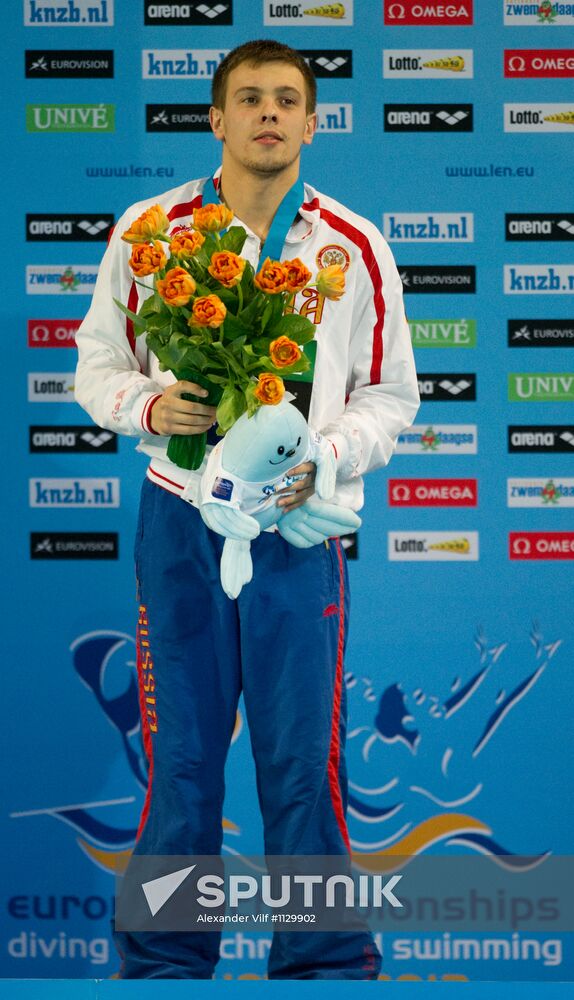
(70, 117)
(540, 333)
(69, 63)
(74, 545)
(539, 118)
(433, 492)
(104, 493)
(433, 546)
(401, 14)
(539, 279)
(549, 493)
(437, 279)
(55, 279)
(543, 63)
(194, 12)
(428, 117)
(538, 13)
(443, 332)
(66, 228)
(446, 388)
(52, 332)
(305, 15)
(423, 227)
(177, 118)
(438, 439)
(541, 438)
(178, 64)
(71, 14)
(334, 63)
(541, 544)
(428, 64)
(51, 387)
(539, 226)
(73, 438)
(541, 387)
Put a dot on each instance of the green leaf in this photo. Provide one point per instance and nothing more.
(297, 328)
(231, 406)
(136, 318)
(234, 327)
(233, 239)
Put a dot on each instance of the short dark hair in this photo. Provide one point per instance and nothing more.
(256, 53)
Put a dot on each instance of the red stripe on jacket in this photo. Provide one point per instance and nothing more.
(335, 746)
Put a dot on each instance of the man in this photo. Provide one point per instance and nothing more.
(281, 642)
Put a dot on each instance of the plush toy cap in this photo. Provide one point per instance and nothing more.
(264, 446)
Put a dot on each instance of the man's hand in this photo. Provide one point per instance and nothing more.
(173, 415)
(301, 491)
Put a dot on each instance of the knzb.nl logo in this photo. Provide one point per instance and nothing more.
(334, 118)
(438, 439)
(74, 492)
(428, 64)
(54, 279)
(181, 64)
(71, 14)
(424, 227)
(539, 279)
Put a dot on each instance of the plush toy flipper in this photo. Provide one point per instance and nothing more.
(317, 520)
(229, 522)
(236, 567)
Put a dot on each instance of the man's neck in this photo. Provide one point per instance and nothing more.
(253, 199)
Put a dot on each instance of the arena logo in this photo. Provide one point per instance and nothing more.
(443, 332)
(540, 333)
(541, 387)
(52, 332)
(194, 12)
(176, 64)
(539, 279)
(74, 545)
(539, 117)
(428, 64)
(73, 438)
(433, 492)
(177, 118)
(51, 387)
(54, 279)
(446, 388)
(447, 280)
(334, 63)
(305, 15)
(541, 438)
(72, 14)
(550, 493)
(541, 12)
(440, 439)
(334, 118)
(70, 117)
(104, 493)
(428, 117)
(69, 63)
(67, 228)
(422, 227)
(539, 226)
(433, 546)
(541, 544)
(543, 63)
(429, 14)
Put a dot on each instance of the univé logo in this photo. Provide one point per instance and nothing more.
(70, 117)
(400, 13)
(541, 544)
(541, 387)
(433, 493)
(443, 332)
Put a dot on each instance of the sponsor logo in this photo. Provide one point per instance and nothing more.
(71, 14)
(433, 492)
(77, 63)
(446, 280)
(545, 63)
(421, 227)
(428, 117)
(82, 439)
(52, 332)
(438, 439)
(51, 387)
(305, 15)
(177, 118)
(540, 333)
(541, 438)
(70, 117)
(54, 279)
(175, 64)
(539, 117)
(539, 12)
(428, 64)
(331, 254)
(334, 117)
(194, 12)
(411, 12)
(334, 63)
(435, 546)
(541, 387)
(446, 388)
(443, 332)
(540, 492)
(539, 226)
(74, 492)
(68, 228)
(541, 544)
(74, 545)
(538, 279)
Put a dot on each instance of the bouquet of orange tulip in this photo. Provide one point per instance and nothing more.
(212, 320)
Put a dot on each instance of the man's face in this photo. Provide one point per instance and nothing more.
(264, 122)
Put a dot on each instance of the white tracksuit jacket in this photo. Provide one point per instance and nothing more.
(364, 390)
